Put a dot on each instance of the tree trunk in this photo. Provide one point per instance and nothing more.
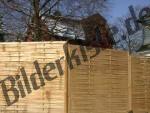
(37, 20)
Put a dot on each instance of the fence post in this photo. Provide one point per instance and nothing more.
(129, 83)
(130, 111)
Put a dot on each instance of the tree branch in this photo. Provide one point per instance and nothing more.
(14, 8)
(45, 3)
(50, 8)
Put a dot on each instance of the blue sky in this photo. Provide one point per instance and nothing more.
(119, 8)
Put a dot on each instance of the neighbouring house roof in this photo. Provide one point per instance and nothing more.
(66, 27)
(145, 49)
(81, 28)
(145, 20)
(63, 28)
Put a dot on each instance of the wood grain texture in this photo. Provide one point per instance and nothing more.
(49, 98)
(110, 82)
(140, 68)
(99, 85)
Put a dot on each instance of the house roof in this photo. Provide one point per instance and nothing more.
(87, 26)
(145, 20)
(69, 20)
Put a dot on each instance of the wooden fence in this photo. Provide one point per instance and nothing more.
(111, 82)
(64, 78)
(47, 99)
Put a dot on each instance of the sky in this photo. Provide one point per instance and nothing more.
(119, 8)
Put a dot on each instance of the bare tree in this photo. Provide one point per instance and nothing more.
(82, 8)
(28, 14)
(133, 41)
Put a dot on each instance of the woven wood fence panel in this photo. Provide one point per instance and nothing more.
(140, 73)
(91, 80)
(49, 98)
(99, 85)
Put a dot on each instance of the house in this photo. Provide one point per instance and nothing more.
(92, 30)
(145, 49)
